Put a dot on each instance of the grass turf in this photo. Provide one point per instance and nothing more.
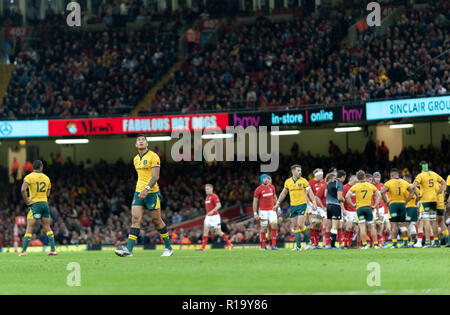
(239, 271)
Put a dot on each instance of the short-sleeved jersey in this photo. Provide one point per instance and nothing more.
(347, 206)
(265, 196)
(397, 190)
(297, 190)
(320, 191)
(38, 185)
(364, 192)
(379, 186)
(429, 181)
(413, 201)
(211, 202)
(440, 200)
(448, 185)
(334, 186)
(144, 165)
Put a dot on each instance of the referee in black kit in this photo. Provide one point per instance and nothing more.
(335, 204)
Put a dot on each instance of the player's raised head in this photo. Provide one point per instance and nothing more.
(408, 177)
(395, 173)
(38, 165)
(141, 141)
(360, 175)
(209, 188)
(296, 170)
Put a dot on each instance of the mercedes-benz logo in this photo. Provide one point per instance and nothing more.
(6, 129)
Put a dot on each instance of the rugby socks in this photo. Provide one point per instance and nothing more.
(306, 234)
(312, 237)
(326, 239)
(419, 238)
(132, 238)
(298, 237)
(225, 238)
(405, 241)
(316, 237)
(333, 234)
(340, 237)
(165, 236)
(446, 236)
(381, 239)
(205, 241)
(394, 242)
(51, 240)
(262, 236)
(274, 237)
(26, 240)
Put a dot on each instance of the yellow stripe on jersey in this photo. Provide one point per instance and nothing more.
(38, 185)
(297, 190)
(398, 190)
(428, 182)
(363, 192)
(144, 166)
(133, 237)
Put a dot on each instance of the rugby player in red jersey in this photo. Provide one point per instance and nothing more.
(265, 195)
(212, 219)
(316, 217)
(381, 225)
(350, 225)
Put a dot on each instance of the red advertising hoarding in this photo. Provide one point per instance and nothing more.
(130, 125)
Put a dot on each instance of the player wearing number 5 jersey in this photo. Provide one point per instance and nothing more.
(428, 182)
(38, 186)
(363, 192)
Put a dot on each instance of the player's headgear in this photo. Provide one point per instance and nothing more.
(424, 165)
(376, 174)
(262, 177)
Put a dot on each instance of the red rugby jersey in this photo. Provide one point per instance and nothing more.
(210, 203)
(265, 196)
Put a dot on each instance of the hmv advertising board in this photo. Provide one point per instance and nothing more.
(299, 117)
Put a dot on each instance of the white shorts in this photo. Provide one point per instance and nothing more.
(213, 221)
(350, 216)
(269, 215)
(319, 211)
(381, 214)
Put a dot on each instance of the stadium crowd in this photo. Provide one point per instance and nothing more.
(306, 61)
(91, 203)
(86, 73)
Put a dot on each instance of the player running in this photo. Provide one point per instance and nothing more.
(38, 186)
(364, 192)
(428, 182)
(398, 190)
(265, 195)
(212, 218)
(147, 196)
(298, 188)
(335, 205)
(350, 225)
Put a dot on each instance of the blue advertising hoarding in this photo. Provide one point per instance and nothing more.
(405, 108)
(23, 128)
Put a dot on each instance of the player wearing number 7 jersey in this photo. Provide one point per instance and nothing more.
(38, 185)
(364, 192)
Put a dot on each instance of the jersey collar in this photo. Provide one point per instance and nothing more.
(143, 154)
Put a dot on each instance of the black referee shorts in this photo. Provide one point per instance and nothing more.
(334, 212)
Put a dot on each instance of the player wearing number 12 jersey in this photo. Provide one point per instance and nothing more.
(38, 186)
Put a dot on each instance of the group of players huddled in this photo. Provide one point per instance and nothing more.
(400, 209)
(366, 210)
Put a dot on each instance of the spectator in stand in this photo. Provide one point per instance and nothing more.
(15, 169)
